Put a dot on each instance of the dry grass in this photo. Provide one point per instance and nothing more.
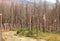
(50, 36)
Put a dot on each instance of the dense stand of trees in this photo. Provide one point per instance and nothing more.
(30, 15)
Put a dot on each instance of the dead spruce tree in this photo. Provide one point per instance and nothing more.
(57, 13)
(44, 17)
(12, 15)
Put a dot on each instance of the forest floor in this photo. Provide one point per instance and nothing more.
(11, 36)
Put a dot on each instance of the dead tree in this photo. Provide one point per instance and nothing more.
(30, 15)
(44, 17)
(57, 13)
(12, 15)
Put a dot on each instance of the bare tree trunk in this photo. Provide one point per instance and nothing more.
(27, 15)
(12, 17)
(57, 12)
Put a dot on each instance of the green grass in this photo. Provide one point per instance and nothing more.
(49, 36)
(26, 32)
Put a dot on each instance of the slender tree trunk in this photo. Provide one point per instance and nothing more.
(12, 17)
(57, 12)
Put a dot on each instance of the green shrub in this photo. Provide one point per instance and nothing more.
(26, 32)
(22, 31)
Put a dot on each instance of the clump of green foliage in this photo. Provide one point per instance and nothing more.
(22, 31)
(26, 32)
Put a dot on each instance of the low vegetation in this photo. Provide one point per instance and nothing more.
(49, 36)
(26, 32)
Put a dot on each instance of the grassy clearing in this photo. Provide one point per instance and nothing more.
(42, 35)
(50, 36)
